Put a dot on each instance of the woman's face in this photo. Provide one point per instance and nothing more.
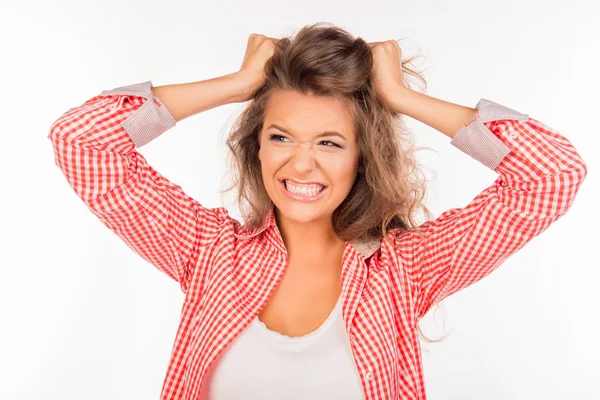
(299, 142)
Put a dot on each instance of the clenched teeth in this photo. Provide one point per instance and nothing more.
(310, 190)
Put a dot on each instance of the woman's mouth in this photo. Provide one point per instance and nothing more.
(302, 192)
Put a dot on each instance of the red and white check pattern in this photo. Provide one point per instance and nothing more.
(228, 272)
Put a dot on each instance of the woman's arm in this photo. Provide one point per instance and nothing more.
(95, 147)
(388, 79)
(442, 115)
(186, 99)
(540, 172)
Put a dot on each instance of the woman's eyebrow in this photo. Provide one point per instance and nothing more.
(326, 133)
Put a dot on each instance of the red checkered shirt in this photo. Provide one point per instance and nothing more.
(228, 271)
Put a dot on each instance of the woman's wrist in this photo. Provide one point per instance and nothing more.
(397, 98)
(246, 85)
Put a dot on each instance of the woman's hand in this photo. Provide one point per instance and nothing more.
(387, 72)
(259, 50)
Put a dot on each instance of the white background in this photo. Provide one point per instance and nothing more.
(84, 317)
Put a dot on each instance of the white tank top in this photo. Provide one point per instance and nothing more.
(262, 364)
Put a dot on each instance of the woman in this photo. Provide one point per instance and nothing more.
(318, 295)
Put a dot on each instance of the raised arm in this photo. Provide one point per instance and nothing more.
(95, 147)
(540, 173)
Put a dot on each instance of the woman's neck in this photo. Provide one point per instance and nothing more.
(313, 239)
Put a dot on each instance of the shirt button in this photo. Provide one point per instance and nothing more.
(369, 376)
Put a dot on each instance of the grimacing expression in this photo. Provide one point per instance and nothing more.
(308, 138)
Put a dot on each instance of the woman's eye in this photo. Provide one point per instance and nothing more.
(277, 138)
(334, 144)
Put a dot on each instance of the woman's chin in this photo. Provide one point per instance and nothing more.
(303, 212)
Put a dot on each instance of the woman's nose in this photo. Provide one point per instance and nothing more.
(304, 157)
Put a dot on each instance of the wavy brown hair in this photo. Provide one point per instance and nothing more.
(325, 60)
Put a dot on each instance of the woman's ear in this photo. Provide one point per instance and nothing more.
(259, 147)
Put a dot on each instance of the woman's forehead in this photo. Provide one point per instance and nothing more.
(299, 114)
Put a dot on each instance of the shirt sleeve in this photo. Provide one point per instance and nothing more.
(95, 147)
(540, 173)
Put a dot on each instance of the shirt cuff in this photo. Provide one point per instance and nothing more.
(150, 120)
(477, 141)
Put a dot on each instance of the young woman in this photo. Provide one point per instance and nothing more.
(319, 293)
